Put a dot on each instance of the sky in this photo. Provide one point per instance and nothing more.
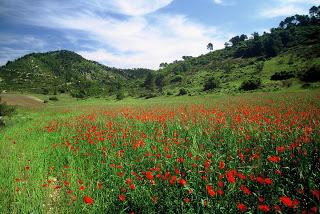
(135, 33)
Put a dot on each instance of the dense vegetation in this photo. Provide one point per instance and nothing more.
(288, 56)
(65, 72)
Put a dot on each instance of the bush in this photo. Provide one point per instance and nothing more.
(53, 98)
(182, 92)
(120, 95)
(176, 79)
(282, 75)
(44, 91)
(5, 110)
(210, 84)
(312, 74)
(250, 84)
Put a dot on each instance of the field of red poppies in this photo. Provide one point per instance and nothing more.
(252, 153)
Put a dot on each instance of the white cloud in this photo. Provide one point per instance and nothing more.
(137, 40)
(281, 11)
(217, 1)
(287, 8)
(25, 40)
(140, 42)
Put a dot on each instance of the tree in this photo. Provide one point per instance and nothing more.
(160, 81)
(163, 65)
(255, 36)
(313, 11)
(243, 37)
(210, 46)
(226, 45)
(210, 84)
(149, 81)
(235, 40)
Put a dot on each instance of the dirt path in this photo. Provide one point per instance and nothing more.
(21, 100)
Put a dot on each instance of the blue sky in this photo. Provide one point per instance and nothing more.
(134, 33)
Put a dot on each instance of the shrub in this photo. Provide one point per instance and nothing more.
(182, 92)
(250, 84)
(120, 95)
(282, 75)
(210, 84)
(5, 110)
(53, 98)
(312, 74)
(176, 79)
(44, 91)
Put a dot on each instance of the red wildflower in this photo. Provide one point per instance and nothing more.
(242, 207)
(274, 159)
(230, 176)
(27, 167)
(122, 197)
(81, 188)
(88, 200)
(268, 181)
(280, 148)
(245, 190)
(173, 179)
(180, 159)
(149, 175)
(182, 182)
(132, 186)
(221, 165)
(264, 208)
(288, 202)
(210, 190)
(315, 193)
(186, 200)
(260, 180)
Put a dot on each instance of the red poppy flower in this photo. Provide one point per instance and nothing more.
(268, 181)
(274, 159)
(173, 179)
(230, 176)
(245, 190)
(132, 186)
(88, 200)
(210, 190)
(242, 207)
(186, 200)
(182, 182)
(149, 175)
(264, 208)
(221, 165)
(122, 197)
(315, 193)
(81, 188)
(288, 202)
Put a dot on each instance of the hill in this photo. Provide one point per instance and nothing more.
(288, 56)
(65, 72)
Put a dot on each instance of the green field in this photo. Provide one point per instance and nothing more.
(251, 152)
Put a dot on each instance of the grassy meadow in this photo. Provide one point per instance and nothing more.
(246, 153)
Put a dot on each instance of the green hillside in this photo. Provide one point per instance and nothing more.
(287, 57)
(65, 72)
